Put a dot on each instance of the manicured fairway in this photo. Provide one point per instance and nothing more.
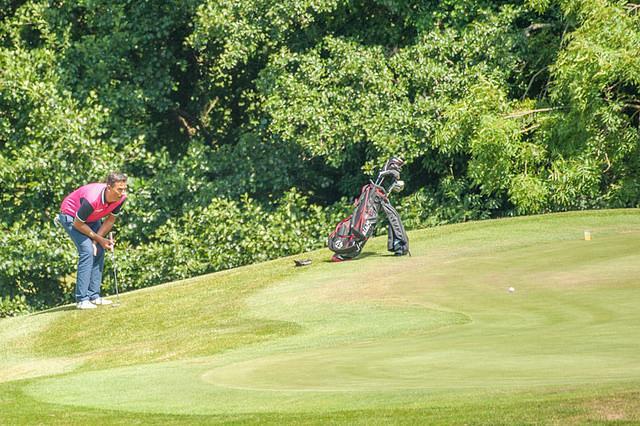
(380, 337)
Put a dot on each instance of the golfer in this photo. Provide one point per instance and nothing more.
(88, 214)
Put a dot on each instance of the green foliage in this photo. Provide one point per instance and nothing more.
(127, 55)
(340, 94)
(260, 166)
(335, 97)
(34, 264)
(528, 193)
(15, 306)
(597, 74)
(450, 202)
(232, 41)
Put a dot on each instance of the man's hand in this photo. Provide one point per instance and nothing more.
(105, 243)
(112, 241)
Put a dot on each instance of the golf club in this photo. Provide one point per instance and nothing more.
(397, 186)
(115, 270)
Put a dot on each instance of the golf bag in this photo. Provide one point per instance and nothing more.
(352, 233)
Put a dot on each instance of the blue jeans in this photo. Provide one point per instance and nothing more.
(89, 278)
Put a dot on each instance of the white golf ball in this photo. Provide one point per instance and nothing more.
(511, 289)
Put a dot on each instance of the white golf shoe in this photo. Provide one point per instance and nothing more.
(101, 301)
(85, 304)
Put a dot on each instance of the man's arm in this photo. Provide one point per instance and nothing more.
(106, 226)
(86, 230)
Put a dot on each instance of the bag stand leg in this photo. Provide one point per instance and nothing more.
(398, 241)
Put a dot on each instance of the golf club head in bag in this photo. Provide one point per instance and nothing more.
(393, 174)
(397, 186)
(394, 163)
(389, 176)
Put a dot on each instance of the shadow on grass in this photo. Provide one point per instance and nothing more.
(71, 307)
(359, 257)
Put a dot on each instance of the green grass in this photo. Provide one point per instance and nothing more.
(435, 337)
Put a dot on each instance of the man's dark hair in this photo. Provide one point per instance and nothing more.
(114, 177)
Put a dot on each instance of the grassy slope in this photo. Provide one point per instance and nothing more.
(432, 336)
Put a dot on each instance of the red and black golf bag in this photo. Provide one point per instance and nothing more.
(351, 234)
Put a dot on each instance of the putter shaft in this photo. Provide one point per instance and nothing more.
(115, 269)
